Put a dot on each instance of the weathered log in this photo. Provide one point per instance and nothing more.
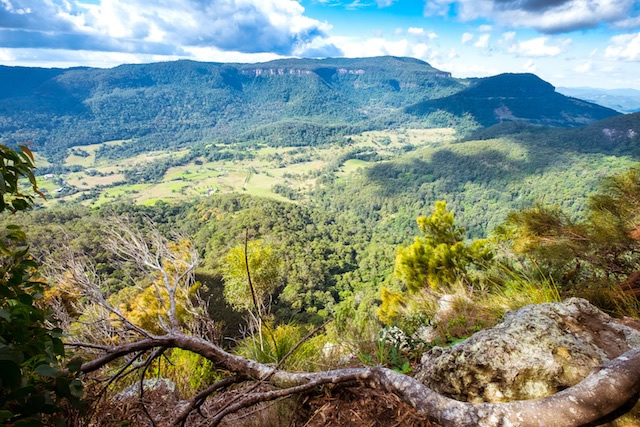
(596, 396)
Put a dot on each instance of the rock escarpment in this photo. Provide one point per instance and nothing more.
(534, 352)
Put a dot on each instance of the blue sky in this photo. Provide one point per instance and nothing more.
(567, 42)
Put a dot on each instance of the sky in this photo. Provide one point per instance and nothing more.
(569, 43)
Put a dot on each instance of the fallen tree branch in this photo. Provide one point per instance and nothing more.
(197, 400)
(278, 394)
(596, 396)
(247, 394)
(156, 353)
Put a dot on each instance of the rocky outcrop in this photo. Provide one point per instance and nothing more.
(534, 352)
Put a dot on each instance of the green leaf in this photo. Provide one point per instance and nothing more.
(46, 371)
(75, 364)
(76, 388)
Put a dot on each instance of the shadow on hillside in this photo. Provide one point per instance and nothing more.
(453, 170)
(619, 136)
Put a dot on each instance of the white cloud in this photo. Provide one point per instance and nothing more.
(71, 58)
(529, 66)
(466, 38)
(469, 69)
(485, 28)
(539, 46)
(6, 56)
(507, 37)
(483, 41)
(356, 4)
(584, 68)
(453, 54)
(551, 16)
(249, 26)
(354, 47)
(420, 32)
(625, 47)
(385, 3)
(628, 23)
(421, 51)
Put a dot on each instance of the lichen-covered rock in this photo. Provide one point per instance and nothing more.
(534, 352)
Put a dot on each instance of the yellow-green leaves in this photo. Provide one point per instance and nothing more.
(440, 256)
(264, 269)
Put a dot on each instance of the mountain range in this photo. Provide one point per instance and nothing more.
(283, 102)
(623, 100)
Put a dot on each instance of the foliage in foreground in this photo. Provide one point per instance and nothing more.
(33, 382)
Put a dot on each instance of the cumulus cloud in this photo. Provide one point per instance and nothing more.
(40, 15)
(483, 41)
(625, 47)
(539, 46)
(584, 68)
(548, 16)
(250, 26)
(421, 33)
(466, 38)
(354, 47)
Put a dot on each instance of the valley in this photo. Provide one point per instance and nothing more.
(315, 215)
(273, 172)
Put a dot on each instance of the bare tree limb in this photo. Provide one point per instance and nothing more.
(596, 396)
(197, 400)
(277, 394)
(156, 353)
(247, 394)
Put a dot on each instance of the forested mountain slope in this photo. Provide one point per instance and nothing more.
(168, 104)
(511, 97)
(283, 102)
(623, 100)
(614, 135)
(494, 171)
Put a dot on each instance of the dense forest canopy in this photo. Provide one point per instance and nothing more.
(180, 103)
(304, 214)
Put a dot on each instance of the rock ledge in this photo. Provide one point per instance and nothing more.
(534, 352)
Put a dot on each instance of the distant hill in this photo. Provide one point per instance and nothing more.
(494, 171)
(508, 98)
(623, 100)
(173, 103)
(618, 135)
(288, 102)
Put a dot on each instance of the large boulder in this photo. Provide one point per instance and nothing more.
(534, 352)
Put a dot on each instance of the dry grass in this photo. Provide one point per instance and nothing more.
(358, 406)
(353, 406)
